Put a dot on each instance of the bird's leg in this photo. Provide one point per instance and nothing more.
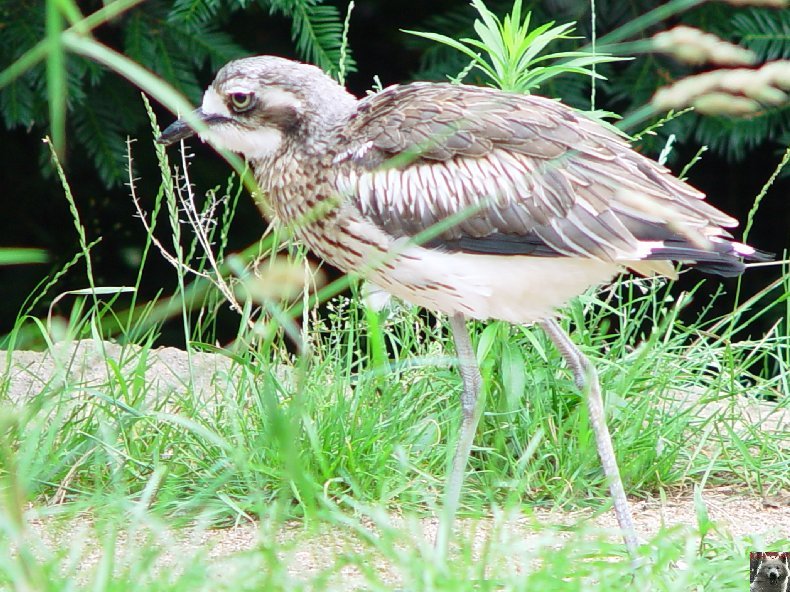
(587, 380)
(472, 385)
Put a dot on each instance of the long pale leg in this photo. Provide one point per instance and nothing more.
(470, 373)
(587, 380)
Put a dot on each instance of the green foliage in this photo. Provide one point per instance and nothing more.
(317, 31)
(175, 39)
(360, 426)
(509, 53)
(737, 137)
(630, 85)
(765, 32)
(22, 256)
(762, 30)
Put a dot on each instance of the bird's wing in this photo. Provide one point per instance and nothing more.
(478, 170)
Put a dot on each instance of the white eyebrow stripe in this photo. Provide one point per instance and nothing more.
(239, 86)
(277, 97)
(214, 104)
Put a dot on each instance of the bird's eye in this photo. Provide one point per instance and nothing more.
(241, 101)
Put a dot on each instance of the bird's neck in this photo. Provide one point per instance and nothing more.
(298, 176)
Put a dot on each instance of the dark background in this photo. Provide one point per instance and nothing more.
(35, 213)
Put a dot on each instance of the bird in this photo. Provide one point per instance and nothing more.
(466, 200)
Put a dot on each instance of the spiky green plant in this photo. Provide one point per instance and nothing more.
(511, 54)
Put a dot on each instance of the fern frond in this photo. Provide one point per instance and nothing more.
(203, 44)
(163, 54)
(23, 27)
(765, 32)
(736, 137)
(167, 60)
(193, 13)
(17, 103)
(101, 133)
(317, 30)
(179, 50)
(218, 47)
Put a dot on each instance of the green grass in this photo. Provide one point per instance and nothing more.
(351, 441)
(337, 443)
(337, 454)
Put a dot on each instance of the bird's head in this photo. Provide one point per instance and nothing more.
(257, 104)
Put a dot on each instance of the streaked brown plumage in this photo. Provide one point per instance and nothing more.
(467, 200)
(546, 173)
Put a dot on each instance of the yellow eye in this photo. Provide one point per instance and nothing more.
(241, 101)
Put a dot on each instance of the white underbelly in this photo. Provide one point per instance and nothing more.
(514, 288)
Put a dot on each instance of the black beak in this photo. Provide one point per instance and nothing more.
(181, 129)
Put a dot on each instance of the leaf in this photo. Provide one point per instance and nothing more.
(704, 523)
(734, 138)
(100, 290)
(103, 137)
(488, 340)
(447, 41)
(508, 52)
(17, 103)
(318, 32)
(193, 13)
(56, 76)
(178, 48)
(20, 256)
(765, 32)
(220, 48)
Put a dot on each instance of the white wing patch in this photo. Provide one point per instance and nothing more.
(743, 250)
(353, 153)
